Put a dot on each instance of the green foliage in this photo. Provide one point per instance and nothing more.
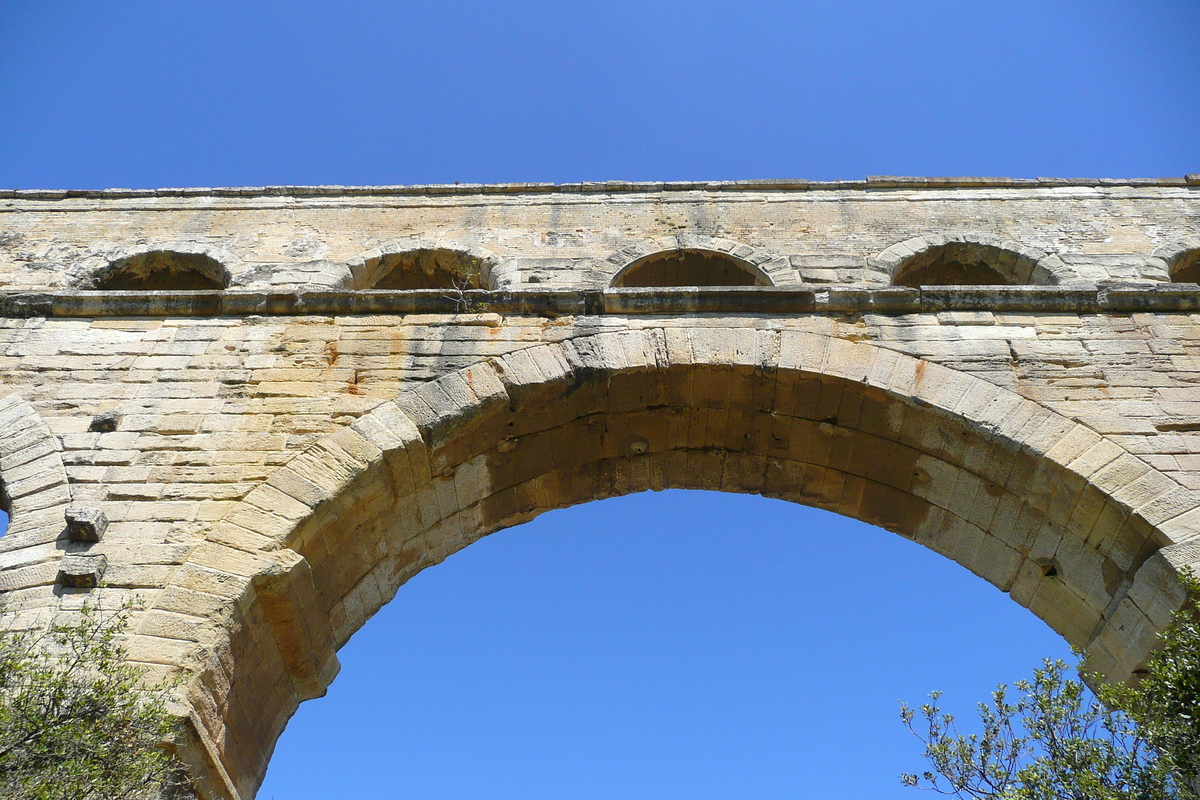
(1166, 703)
(1059, 741)
(74, 720)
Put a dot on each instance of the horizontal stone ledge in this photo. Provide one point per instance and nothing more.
(774, 301)
(595, 187)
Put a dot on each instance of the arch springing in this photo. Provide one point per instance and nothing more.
(162, 270)
(690, 267)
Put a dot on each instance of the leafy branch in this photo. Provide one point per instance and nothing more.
(76, 719)
(467, 276)
(1060, 741)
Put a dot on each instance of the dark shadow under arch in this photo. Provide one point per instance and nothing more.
(162, 270)
(689, 267)
(962, 264)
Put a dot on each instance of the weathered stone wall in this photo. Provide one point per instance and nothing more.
(273, 461)
(579, 237)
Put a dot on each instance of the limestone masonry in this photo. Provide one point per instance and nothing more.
(261, 411)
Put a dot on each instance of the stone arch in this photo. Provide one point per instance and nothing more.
(162, 267)
(946, 259)
(765, 269)
(36, 493)
(1182, 258)
(1080, 531)
(434, 262)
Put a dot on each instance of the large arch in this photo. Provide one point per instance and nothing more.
(1078, 530)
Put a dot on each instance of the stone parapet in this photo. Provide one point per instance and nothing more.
(601, 187)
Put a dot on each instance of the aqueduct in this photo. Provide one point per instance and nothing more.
(260, 411)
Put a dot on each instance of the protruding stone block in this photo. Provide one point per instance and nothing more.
(85, 524)
(82, 571)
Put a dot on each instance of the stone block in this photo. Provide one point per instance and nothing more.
(82, 571)
(85, 523)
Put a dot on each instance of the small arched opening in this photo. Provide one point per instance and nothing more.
(964, 264)
(429, 268)
(5, 508)
(1185, 268)
(162, 270)
(689, 267)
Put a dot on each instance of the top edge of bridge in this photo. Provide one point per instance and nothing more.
(604, 187)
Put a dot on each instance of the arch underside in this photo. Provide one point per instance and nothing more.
(417, 483)
(34, 488)
(1000, 512)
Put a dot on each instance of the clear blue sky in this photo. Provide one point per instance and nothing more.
(751, 649)
(101, 94)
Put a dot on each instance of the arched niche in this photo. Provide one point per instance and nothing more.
(968, 260)
(424, 268)
(1068, 523)
(689, 267)
(958, 264)
(162, 270)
